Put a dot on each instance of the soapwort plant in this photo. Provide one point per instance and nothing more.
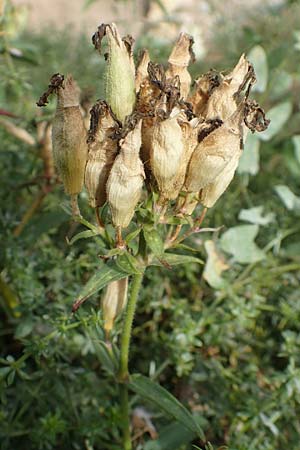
(157, 154)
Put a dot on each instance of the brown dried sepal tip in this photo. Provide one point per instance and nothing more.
(56, 81)
(98, 112)
(255, 118)
(99, 35)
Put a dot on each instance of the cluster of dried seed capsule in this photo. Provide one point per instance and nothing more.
(153, 130)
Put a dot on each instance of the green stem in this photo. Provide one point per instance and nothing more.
(126, 333)
(124, 357)
(125, 417)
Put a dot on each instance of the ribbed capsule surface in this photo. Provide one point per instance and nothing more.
(213, 191)
(114, 301)
(102, 150)
(214, 152)
(167, 157)
(125, 182)
(179, 60)
(120, 71)
(69, 138)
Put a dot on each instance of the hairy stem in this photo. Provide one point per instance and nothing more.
(124, 357)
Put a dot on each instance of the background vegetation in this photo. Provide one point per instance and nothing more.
(223, 337)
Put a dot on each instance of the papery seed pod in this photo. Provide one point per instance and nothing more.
(179, 60)
(120, 72)
(102, 150)
(214, 152)
(222, 102)
(167, 157)
(113, 302)
(69, 138)
(149, 99)
(203, 89)
(213, 191)
(141, 73)
(125, 182)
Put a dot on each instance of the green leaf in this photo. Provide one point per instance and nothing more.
(249, 161)
(154, 241)
(239, 242)
(214, 266)
(132, 235)
(171, 437)
(278, 116)
(280, 84)
(129, 264)
(159, 396)
(83, 235)
(173, 259)
(296, 142)
(288, 198)
(24, 328)
(258, 58)
(102, 352)
(108, 272)
(255, 215)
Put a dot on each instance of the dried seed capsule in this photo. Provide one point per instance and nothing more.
(255, 120)
(179, 60)
(222, 102)
(149, 99)
(114, 301)
(167, 156)
(69, 138)
(214, 152)
(213, 191)
(102, 150)
(120, 73)
(125, 182)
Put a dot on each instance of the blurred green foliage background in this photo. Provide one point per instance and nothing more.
(224, 337)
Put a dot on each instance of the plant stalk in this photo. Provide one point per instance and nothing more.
(124, 357)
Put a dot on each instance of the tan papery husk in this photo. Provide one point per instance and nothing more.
(114, 301)
(178, 62)
(214, 152)
(102, 151)
(125, 182)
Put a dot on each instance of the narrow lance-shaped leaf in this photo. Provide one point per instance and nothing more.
(156, 394)
(108, 272)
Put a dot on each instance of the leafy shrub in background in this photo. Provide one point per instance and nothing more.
(226, 341)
